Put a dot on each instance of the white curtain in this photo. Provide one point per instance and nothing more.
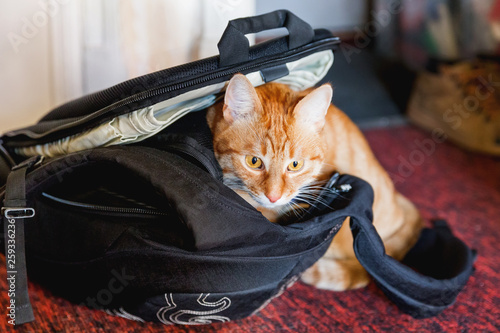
(58, 50)
(157, 34)
(128, 38)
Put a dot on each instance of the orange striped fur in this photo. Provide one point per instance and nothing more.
(280, 129)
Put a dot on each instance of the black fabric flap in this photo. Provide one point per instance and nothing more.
(217, 217)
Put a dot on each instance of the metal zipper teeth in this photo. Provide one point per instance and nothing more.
(182, 85)
(124, 210)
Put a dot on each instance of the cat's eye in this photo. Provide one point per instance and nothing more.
(295, 165)
(254, 162)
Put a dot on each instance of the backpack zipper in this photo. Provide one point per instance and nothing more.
(109, 209)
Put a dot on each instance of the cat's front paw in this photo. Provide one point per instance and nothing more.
(337, 275)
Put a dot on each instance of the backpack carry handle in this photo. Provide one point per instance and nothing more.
(234, 46)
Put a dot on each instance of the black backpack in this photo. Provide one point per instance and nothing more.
(148, 231)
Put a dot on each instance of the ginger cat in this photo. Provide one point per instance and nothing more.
(275, 144)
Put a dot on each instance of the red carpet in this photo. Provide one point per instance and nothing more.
(441, 179)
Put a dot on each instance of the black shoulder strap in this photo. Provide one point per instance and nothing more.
(444, 263)
(14, 212)
(432, 273)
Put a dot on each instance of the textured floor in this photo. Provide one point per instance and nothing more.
(443, 181)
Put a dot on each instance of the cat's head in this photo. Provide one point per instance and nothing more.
(268, 140)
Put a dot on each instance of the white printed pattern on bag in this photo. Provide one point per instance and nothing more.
(192, 317)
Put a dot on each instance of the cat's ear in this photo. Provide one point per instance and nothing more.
(311, 110)
(241, 100)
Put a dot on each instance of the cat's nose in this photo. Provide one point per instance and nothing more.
(273, 197)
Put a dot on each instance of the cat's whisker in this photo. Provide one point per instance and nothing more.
(313, 187)
(295, 208)
(298, 210)
(283, 210)
(308, 194)
(319, 188)
(286, 210)
(324, 203)
(308, 201)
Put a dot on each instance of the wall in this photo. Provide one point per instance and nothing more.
(52, 51)
(337, 15)
(25, 64)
